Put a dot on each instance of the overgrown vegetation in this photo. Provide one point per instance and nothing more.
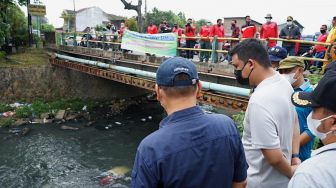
(6, 122)
(38, 107)
(239, 120)
(34, 56)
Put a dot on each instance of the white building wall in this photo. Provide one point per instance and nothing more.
(90, 17)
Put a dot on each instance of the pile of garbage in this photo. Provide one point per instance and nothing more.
(114, 177)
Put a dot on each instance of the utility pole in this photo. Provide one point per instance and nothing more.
(30, 28)
(75, 15)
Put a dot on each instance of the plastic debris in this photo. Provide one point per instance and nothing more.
(84, 108)
(8, 114)
(150, 117)
(143, 119)
(106, 128)
(106, 180)
(117, 123)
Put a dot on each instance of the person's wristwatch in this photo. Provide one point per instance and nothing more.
(295, 155)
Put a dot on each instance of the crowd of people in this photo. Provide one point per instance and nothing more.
(249, 30)
(285, 114)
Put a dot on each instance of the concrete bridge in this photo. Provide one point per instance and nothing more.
(138, 70)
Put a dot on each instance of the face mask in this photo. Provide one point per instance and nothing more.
(290, 78)
(239, 77)
(233, 25)
(248, 22)
(268, 20)
(323, 31)
(313, 124)
(290, 23)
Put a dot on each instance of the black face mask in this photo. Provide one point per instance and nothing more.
(233, 25)
(239, 77)
(323, 31)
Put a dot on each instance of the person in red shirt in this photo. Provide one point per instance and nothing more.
(248, 30)
(178, 31)
(190, 31)
(218, 30)
(152, 29)
(320, 49)
(205, 33)
(269, 29)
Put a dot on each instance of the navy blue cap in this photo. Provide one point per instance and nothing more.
(277, 53)
(170, 68)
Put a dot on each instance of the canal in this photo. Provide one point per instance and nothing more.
(51, 157)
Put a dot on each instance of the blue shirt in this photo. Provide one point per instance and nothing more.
(191, 149)
(305, 151)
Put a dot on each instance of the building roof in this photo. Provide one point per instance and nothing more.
(68, 13)
(241, 17)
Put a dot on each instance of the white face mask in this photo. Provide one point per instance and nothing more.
(290, 78)
(313, 124)
(268, 20)
(290, 23)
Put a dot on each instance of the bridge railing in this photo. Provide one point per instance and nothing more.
(115, 41)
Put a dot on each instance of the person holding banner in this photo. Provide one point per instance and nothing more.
(152, 29)
(190, 31)
(178, 31)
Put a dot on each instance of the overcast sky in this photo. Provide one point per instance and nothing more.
(310, 13)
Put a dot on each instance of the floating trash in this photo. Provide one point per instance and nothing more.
(150, 117)
(143, 119)
(118, 123)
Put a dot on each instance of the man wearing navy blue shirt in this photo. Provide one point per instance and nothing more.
(292, 69)
(192, 148)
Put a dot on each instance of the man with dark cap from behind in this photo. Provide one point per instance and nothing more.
(192, 148)
(319, 170)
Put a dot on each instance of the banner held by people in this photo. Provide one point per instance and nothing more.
(164, 44)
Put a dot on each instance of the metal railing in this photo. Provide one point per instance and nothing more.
(212, 39)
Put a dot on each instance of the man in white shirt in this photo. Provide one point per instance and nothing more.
(320, 169)
(271, 132)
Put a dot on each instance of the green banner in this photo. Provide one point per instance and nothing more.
(164, 44)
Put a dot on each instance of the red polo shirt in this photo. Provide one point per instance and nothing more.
(321, 38)
(205, 32)
(269, 30)
(152, 29)
(218, 31)
(249, 31)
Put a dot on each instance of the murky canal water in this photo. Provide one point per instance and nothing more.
(51, 157)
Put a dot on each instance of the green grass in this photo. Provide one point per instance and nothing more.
(6, 122)
(24, 112)
(239, 120)
(5, 108)
(30, 57)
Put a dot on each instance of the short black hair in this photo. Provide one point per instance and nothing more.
(334, 18)
(219, 20)
(252, 49)
(180, 91)
(235, 21)
(247, 16)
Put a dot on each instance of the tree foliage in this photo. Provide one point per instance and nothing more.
(132, 24)
(156, 16)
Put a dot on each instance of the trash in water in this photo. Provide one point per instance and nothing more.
(143, 119)
(106, 128)
(117, 123)
(106, 180)
(8, 114)
(150, 117)
(84, 108)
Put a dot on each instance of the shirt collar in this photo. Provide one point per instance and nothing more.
(324, 148)
(269, 80)
(181, 115)
(305, 86)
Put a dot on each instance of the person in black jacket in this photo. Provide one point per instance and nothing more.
(291, 31)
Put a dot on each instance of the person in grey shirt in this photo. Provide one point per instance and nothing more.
(271, 132)
(290, 31)
(320, 169)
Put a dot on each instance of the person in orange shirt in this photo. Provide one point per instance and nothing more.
(205, 33)
(178, 31)
(152, 29)
(190, 31)
(330, 54)
(269, 29)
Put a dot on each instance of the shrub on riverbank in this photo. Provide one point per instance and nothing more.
(239, 120)
(6, 122)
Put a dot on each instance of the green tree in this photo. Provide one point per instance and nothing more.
(47, 27)
(18, 26)
(156, 16)
(132, 24)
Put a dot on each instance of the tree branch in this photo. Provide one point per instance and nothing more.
(129, 6)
